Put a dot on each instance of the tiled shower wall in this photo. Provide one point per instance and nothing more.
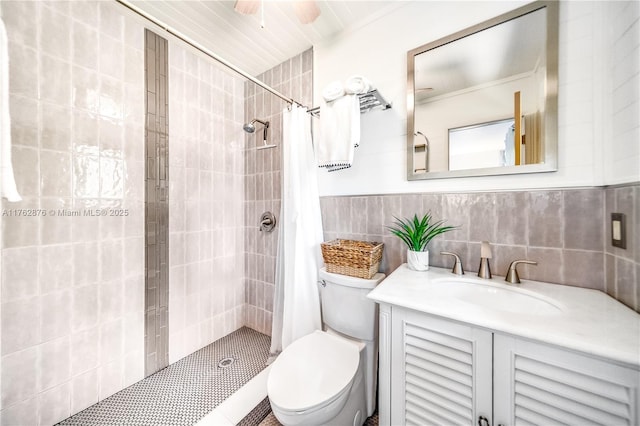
(72, 301)
(262, 180)
(566, 231)
(206, 290)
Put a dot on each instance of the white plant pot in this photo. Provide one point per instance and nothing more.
(418, 260)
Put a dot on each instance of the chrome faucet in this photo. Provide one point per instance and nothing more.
(512, 273)
(484, 271)
(457, 265)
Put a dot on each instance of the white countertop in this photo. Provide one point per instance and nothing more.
(586, 320)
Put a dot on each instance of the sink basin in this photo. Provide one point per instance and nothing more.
(498, 297)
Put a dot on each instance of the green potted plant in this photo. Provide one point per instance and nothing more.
(416, 234)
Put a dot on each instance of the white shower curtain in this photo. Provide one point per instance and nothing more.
(296, 309)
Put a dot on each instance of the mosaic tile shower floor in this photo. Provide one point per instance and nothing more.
(186, 390)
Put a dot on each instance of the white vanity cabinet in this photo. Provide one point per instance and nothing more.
(440, 371)
(445, 372)
(541, 384)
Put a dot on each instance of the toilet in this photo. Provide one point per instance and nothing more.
(329, 377)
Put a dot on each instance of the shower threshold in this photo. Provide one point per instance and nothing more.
(189, 389)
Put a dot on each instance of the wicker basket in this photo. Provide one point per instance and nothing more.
(354, 258)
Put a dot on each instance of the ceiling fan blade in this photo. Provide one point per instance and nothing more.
(306, 10)
(247, 7)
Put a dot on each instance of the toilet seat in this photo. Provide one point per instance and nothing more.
(313, 373)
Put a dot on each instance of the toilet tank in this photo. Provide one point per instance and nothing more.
(345, 307)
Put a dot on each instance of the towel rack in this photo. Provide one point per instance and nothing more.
(368, 101)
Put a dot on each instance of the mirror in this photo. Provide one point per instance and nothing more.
(483, 101)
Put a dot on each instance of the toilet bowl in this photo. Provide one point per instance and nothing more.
(329, 377)
(313, 381)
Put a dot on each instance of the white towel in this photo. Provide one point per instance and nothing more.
(358, 85)
(333, 91)
(339, 132)
(9, 190)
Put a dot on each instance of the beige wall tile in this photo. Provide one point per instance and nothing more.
(24, 123)
(84, 390)
(19, 273)
(111, 341)
(84, 314)
(85, 350)
(23, 71)
(18, 17)
(55, 404)
(111, 21)
(55, 227)
(85, 40)
(56, 267)
(55, 363)
(20, 231)
(19, 375)
(55, 174)
(54, 315)
(21, 413)
(55, 86)
(54, 33)
(20, 324)
(110, 376)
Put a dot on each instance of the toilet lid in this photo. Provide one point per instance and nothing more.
(312, 371)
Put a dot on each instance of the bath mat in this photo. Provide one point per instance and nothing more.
(185, 391)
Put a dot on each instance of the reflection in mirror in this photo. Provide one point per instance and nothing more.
(498, 75)
(483, 145)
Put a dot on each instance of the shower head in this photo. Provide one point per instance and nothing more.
(251, 127)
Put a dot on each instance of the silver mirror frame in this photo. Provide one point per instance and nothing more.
(551, 97)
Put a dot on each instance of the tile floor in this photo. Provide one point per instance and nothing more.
(186, 390)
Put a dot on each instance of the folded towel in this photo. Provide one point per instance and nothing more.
(358, 85)
(339, 132)
(9, 190)
(333, 91)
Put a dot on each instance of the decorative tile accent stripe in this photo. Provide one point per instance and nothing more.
(186, 390)
(156, 345)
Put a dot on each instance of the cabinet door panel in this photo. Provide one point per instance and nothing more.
(540, 384)
(441, 371)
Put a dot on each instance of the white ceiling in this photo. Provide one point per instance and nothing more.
(239, 39)
(513, 48)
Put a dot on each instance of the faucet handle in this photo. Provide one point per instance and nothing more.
(457, 266)
(485, 250)
(512, 273)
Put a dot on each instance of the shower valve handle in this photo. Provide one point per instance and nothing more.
(267, 222)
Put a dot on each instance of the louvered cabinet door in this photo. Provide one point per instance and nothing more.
(537, 384)
(441, 371)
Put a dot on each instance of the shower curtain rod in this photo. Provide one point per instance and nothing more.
(207, 52)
